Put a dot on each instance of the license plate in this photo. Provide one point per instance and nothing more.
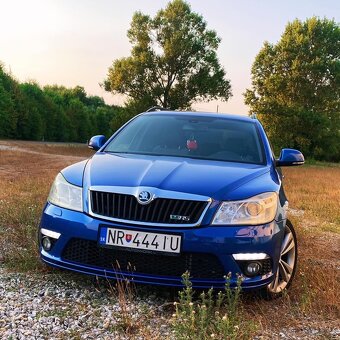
(140, 240)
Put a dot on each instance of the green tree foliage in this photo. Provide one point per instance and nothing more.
(296, 88)
(36, 118)
(173, 61)
(54, 113)
(8, 104)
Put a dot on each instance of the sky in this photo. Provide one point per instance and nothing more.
(73, 42)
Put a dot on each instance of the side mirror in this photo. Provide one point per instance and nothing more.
(96, 142)
(290, 157)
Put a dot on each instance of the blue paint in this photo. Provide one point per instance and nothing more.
(219, 180)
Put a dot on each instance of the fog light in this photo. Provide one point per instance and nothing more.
(252, 268)
(46, 243)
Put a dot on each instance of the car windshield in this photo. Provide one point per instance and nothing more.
(190, 136)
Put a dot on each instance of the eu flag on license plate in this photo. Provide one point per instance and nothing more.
(102, 236)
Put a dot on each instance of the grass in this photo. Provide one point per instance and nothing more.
(133, 319)
(27, 171)
(211, 316)
(25, 179)
(67, 149)
(316, 191)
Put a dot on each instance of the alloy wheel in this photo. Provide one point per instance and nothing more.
(287, 262)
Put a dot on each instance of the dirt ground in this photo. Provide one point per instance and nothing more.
(310, 310)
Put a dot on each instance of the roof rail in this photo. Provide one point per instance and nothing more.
(156, 108)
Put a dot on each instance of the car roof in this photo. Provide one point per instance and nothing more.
(201, 114)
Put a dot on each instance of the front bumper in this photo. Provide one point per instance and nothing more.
(220, 242)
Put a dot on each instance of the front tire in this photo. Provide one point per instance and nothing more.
(287, 263)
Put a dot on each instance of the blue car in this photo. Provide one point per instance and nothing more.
(172, 192)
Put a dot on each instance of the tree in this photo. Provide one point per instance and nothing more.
(9, 95)
(36, 116)
(54, 113)
(6, 112)
(296, 88)
(173, 61)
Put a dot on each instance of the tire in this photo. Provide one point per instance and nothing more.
(285, 273)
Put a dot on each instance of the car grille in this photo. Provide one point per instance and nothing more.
(200, 265)
(266, 266)
(126, 207)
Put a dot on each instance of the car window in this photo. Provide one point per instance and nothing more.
(190, 136)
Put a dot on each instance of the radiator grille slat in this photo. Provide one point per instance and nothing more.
(102, 202)
(126, 207)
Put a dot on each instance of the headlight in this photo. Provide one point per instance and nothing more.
(259, 209)
(65, 194)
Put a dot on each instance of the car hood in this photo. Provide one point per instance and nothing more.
(214, 179)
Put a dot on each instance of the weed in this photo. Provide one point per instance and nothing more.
(210, 316)
(125, 292)
(133, 318)
(306, 295)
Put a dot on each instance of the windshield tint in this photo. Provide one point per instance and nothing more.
(190, 136)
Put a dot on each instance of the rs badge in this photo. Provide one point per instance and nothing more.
(180, 218)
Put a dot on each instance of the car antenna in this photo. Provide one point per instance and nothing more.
(253, 116)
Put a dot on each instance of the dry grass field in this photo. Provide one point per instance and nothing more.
(311, 309)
